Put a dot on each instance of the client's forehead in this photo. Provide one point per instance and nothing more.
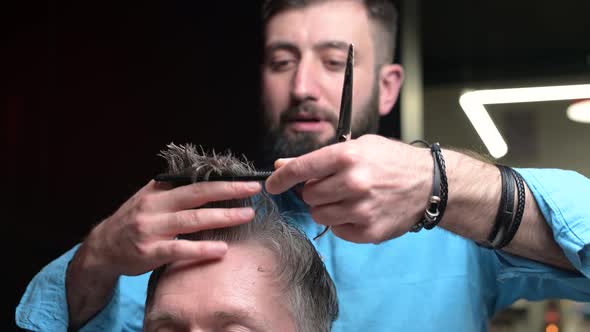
(242, 285)
(249, 259)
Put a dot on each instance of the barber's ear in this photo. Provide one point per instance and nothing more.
(390, 80)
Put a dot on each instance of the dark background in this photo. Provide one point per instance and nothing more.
(91, 91)
(96, 90)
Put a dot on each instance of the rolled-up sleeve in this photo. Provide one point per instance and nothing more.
(564, 199)
(44, 307)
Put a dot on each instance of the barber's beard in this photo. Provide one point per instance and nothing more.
(279, 144)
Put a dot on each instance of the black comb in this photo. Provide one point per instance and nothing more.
(183, 179)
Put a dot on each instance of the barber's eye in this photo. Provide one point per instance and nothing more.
(335, 65)
(281, 65)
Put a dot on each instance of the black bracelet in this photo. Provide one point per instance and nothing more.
(521, 200)
(444, 187)
(508, 219)
(438, 199)
(505, 212)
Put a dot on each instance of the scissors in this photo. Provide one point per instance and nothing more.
(344, 130)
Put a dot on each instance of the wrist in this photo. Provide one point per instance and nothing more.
(423, 167)
(89, 285)
(90, 262)
(437, 200)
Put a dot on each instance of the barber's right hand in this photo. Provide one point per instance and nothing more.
(140, 236)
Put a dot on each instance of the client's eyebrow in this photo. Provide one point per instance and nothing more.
(162, 316)
(241, 317)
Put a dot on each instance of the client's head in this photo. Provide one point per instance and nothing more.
(271, 278)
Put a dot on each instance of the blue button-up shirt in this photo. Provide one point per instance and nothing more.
(427, 281)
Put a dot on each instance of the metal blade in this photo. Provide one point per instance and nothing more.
(344, 129)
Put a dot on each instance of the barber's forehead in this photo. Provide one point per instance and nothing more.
(330, 20)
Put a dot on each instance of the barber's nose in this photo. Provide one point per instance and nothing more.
(305, 82)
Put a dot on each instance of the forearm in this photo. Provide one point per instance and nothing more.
(474, 196)
(89, 286)
(534, 238)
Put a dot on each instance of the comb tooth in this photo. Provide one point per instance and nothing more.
(263, 173)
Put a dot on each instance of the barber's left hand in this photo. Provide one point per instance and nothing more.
(369, 190)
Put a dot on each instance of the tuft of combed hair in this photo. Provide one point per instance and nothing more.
(188, 159)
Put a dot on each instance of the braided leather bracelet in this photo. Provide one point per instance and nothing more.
(507, 219)
(521, 200)
(438, 199)
(505, 212)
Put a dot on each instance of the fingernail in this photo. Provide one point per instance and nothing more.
(245, 212)
(218, 249)
(282, 161)
(253, 185)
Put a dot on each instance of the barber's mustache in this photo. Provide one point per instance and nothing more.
(308, 110)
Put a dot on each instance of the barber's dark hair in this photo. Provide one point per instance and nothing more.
(311, 295)
(383, 13)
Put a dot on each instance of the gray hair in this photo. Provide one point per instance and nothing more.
(301, 272)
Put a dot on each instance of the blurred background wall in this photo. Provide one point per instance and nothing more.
(475, 45)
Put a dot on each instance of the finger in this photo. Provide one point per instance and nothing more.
(188, 221)
(281, 162)
(358, 233)
(198, 194)
(174, 250)
(316, 164)
(161, 185)
(151, 186)
(330, 214)
(352, 233)
(324, 191)
(156, 186)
